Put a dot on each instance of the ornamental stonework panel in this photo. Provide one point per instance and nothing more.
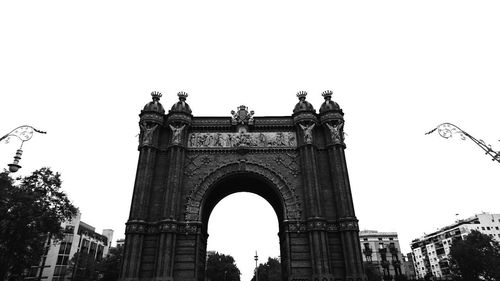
(230, 140)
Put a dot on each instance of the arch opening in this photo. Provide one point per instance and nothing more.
(246, 185)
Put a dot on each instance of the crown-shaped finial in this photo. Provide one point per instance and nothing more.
(182, 95)
(156, 95)
(327, 94)
(302, 94)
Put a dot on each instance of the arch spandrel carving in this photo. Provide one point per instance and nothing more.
(290, 200)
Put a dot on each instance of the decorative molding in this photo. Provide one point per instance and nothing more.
(291, 165)
(164, 226)
(322, 225)
(192, 165)
(194, 200)
(230, 140)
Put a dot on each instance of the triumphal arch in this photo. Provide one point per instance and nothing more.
(187, 164)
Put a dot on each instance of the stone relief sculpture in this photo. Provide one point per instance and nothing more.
(176, 134)
(146, 136)
(335, 131)
(308, 138)
(224, 140)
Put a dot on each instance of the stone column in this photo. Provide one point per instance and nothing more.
(178, 123)
(305, 120)
(332, 122)
(151, 120)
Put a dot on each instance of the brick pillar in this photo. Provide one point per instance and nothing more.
(151, 121)
(306, 122)
(332, 123)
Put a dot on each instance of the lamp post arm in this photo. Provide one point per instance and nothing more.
(24, 133)
(447, 130)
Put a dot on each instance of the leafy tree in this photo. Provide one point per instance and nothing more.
(110, 266)
(269, 271)
(477, 257)
(32, 209)
(221, 267)
(83, 267)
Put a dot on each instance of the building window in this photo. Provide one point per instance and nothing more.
(62, 260)
(69, 229)
(379, 239)
(482, 227)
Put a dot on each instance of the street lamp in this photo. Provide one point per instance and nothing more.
(24, 133)
(256, 267)
(447, 130)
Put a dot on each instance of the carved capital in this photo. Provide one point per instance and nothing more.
(136, 227)
(167, 226)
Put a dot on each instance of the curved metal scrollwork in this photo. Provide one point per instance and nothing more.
(447, 130)
(24, 133)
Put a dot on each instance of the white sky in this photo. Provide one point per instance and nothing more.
(82, 71)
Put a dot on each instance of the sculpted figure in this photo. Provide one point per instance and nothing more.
(262, 139)
(308, 138)
(291, 140)
(176, 133)
(218, 140)
(335, 131)
(192, 140)
(146, 137)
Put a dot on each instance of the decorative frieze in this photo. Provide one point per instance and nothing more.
(170, 226)
(322, 225)
(229, 140)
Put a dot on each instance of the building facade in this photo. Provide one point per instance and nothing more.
(431, 252)
(381, 250)
(79, 237)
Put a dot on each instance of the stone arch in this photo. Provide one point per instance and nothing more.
(290, 203)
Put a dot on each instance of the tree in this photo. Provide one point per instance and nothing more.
(477, 257)
(269, 271)
(82, 267)
(109, 267)
(32, 209)
(221, 267)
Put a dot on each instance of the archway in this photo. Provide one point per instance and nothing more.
(187, 164)
(240, 225)
(246, 182)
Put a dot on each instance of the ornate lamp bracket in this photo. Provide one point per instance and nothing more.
(24, 133)
(447, 130)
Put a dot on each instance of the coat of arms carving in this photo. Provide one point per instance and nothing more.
(242, 116)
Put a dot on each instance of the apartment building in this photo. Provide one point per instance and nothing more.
(382, 250)
(79, 237)
(431, 252)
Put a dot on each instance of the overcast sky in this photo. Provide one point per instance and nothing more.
(82, 71)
